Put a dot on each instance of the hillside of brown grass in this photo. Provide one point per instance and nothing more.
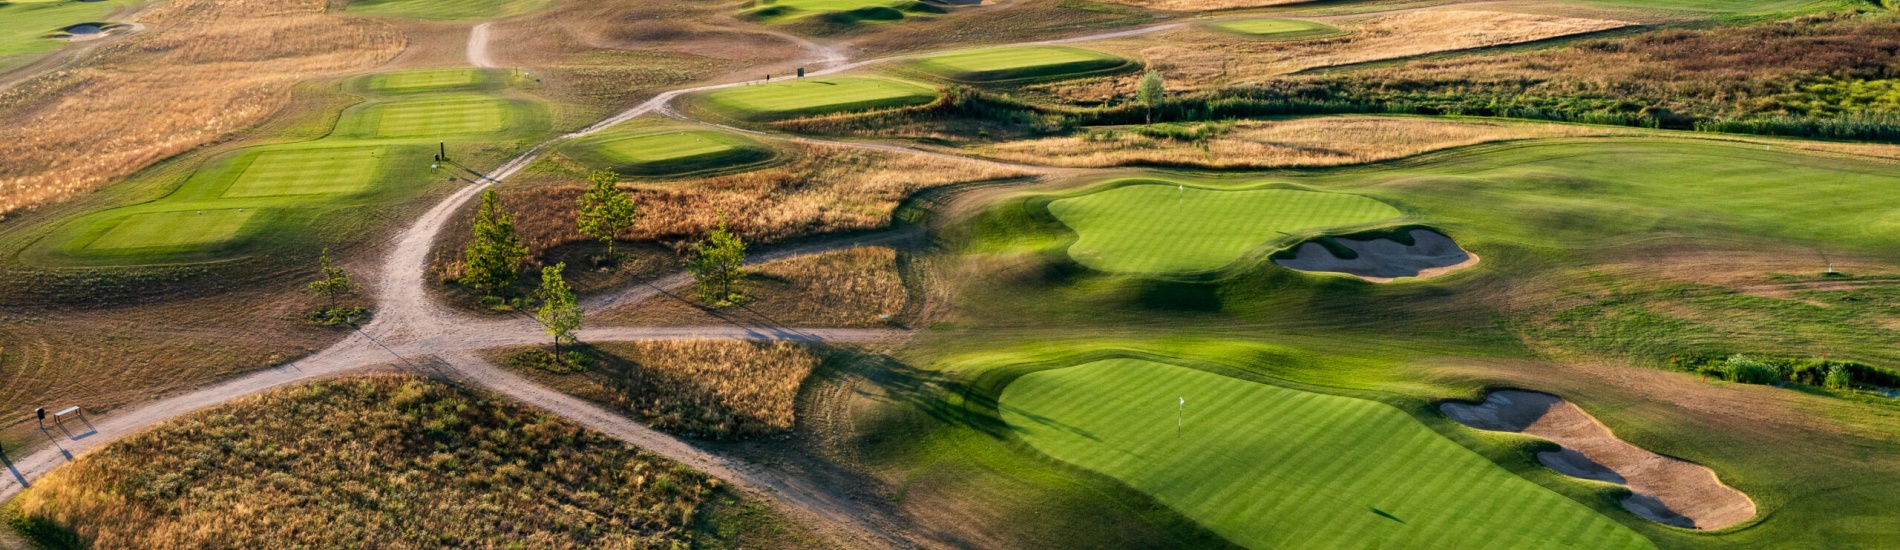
(844, 288)
(205, 69)
(393, 461)
(715, 389)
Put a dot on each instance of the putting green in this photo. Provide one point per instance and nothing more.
(176, 228)
(1276, 28)
(307, 172)
(426, 80)
(440, 116)
(1271, 467)
(816, 96)
(1154, 226)
(650, 151)
(446, 9)
(989, 64)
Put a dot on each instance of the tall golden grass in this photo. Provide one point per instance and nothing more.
(844, 288)
(716, 389)
(1195, 58)
(1320, 141)
(205, 69)
(386, 461)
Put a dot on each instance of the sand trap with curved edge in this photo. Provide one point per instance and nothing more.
(1666, 490)
(1383, 260)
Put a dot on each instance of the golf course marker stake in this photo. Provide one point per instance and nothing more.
(1178, 413)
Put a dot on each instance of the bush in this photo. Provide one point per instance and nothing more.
(1741, 368)
(543, 360)
(1839, 378)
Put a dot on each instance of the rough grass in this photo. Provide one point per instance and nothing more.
(1153, 227)
(991, 64)
(204, 70)
(814, 96)
(400, 460)
(714, 389)
(1193, 58)
(1205, 5)
(858, 287)
(427, 80)
(1302, 142)
(1269, 467)
(446, 9)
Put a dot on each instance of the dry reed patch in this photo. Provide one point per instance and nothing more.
(207, 69)
(845, 288)
(1320, 141)
(715, 389)
(825, 189)
(1194, 58)
(400, 460)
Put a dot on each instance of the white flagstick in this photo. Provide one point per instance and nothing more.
(1178, 413)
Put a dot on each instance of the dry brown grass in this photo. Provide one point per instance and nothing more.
(716, 389)
(1321, 141)
(1193, 58)
(395, 461)
(845, 288)
(207, 68)
(825, 189)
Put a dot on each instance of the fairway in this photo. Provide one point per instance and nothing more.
(426, 80)
(446, 9)
(654, 151)
(307, 172)
(1276, 28)
(177, 228)
(817, 96)
(834, 5)
(446, 116)
(1271, 467)
(1161, 227)
(1017, 62)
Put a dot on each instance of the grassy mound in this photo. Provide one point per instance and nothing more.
(840, 12)
(262, 199)
(30, 25)
(403, 461)
(446, 9)
(1271, 467)
(1153, 226)
(1277, 29)
(648, 150)
(993, 64)
(814, 96)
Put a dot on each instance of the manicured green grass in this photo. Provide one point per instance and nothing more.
(446, 9)
(176, 228)
(816, 96)
(427, 80)
(656, 150)
(1270, 467)
(439, 117)
(1153, 226)
(1279, 29)
(25, 25)
(307, 172)
(991, 64)
(834, 5)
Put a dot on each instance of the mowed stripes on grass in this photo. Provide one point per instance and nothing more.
(307, 172)
(1276, 28)
(430, 80)
(816, 96)
(988, 64)
(443, 116)
(1272, 467)
(446, 9)
(172, 229)
(649, 151)
(1155, 226)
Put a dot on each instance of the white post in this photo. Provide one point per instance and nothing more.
(1178, 413)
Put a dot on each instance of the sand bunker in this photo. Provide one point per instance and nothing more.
(1666, 490)
(1381, 260)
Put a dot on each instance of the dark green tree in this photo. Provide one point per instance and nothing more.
(718, 265)
(605, 211)
(493, 259)
(1150, 93)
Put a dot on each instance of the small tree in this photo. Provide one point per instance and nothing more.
(559, 315)
(493, 259)
(717, 265)
(333, 281)
(605, 211)
(1150, 92)
(1838, 377)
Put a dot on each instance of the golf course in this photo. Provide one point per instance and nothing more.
(1016, 274)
